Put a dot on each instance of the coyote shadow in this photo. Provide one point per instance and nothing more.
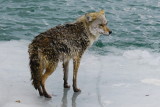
(64, 98)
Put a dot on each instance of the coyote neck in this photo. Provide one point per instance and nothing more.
(92, 37)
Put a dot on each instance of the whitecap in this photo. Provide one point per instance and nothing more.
(45, 22)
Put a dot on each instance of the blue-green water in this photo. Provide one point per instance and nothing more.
(135, 23)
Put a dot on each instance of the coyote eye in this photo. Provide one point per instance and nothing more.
(101, 25)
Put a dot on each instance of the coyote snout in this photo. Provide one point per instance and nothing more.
(63, 43)
(106, 30)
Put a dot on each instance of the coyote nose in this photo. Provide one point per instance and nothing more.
(110, 32)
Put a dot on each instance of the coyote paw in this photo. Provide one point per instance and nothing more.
(47, 95)
(66, 86)
(77, 90)
(40, 93)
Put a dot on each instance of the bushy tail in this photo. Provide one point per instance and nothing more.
(34, 66)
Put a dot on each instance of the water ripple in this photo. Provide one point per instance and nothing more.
(134, 23)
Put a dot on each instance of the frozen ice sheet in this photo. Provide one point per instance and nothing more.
(128, 80)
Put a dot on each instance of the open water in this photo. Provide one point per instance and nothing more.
(135, 23)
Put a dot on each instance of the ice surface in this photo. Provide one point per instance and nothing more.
(130, 79)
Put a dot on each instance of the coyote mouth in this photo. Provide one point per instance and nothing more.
(107, 33)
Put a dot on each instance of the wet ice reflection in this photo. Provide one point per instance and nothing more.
(64, 98)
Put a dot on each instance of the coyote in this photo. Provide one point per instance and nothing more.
(63, 43)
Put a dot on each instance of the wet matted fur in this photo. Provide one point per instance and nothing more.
(62, 43)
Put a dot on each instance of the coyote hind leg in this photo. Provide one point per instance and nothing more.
(41, 71)
(40, 91)
(49, 70)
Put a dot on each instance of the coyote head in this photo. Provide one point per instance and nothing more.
(97, 23)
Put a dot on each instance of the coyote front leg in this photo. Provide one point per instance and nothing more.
(65, 70)
(76, 63)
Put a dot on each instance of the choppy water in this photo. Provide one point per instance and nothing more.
(135, 23)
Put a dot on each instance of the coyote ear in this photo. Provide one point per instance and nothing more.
(102, 12)
(88, 17)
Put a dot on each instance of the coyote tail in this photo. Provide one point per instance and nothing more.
(34, 64)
